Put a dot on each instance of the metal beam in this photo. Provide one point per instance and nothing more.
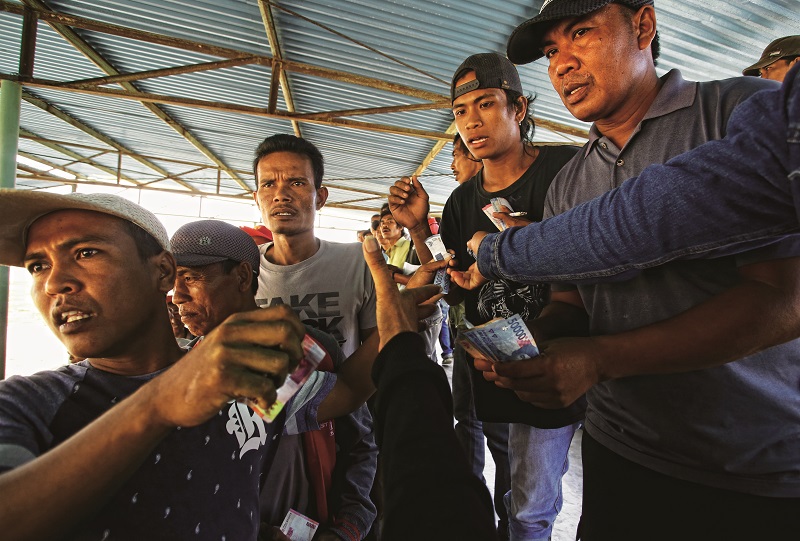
(61, 19)
(277, 53)
(326, 115)
(164, 72)
(58, 113)
(228, 108)
(437, 147)
(89, 52)
(49, 164)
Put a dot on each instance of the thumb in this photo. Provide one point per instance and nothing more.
(381, 275)
(419, 187)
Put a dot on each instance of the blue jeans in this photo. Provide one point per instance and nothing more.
(723, 197)
(444, 334)
(470, 432)
(539, 459)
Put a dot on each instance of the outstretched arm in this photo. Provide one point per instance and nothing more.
(246, 356)
(723, 197)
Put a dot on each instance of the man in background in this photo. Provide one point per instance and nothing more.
(777, 59)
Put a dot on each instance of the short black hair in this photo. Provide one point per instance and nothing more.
(146, 245)
(527, 126)
(284, 142)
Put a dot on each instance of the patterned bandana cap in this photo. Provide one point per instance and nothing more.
(780, 48)
(211, 241)
(525, 42)
(492, 70)
(20, 208)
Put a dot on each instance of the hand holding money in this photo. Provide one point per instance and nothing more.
(396, 311)
(500, 340)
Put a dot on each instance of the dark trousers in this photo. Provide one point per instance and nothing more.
(624, 501)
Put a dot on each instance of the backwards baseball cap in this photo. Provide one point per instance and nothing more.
(492, 70)
(210, 241)
(20, 208)
(780, 48)
(525, 42)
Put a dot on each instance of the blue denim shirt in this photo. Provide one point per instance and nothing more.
(751, 175)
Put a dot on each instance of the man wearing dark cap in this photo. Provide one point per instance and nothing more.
(494, 120)
(141, 440)
(679, 412)
(217, 276)
(777, 59)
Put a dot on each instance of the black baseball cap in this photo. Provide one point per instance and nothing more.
(525, 42)
(492, 70)
(780, 48)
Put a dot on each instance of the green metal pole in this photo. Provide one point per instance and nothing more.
(10, 99)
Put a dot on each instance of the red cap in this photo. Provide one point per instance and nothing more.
(259, 232)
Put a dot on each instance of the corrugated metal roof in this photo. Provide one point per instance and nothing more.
(416, 43)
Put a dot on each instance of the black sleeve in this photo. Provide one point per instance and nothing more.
(429, 491)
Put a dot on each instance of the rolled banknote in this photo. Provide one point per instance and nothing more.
(312, 356)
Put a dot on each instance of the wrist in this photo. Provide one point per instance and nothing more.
(420, 230)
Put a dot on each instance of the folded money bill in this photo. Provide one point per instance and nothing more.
(499, 340)
(439, 252)
(495, 205)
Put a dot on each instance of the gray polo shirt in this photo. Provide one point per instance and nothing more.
(735, 426)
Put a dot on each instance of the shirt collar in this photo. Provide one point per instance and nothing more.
(675, 93)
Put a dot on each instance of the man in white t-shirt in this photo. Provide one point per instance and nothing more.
(327, 284)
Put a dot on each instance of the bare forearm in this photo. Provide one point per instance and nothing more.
(354, 383)
(418, 236)
(46, 498)
(752, 316)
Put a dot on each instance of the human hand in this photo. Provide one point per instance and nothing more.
(474, 244)
(247, 356)
(397, 311)
(563, 371)
(408, 202)
(271, 533)
(468, 279)
(510, 221)
(426, 272)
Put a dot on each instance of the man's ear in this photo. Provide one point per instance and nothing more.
(322, 196)
(166, 270)
(521, 108)
(244, 276)
(255, 198)
(645, 20)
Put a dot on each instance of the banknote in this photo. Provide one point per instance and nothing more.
(500, 340)
(298, 527)
(439, 252)
(312, 356)
(494, 205)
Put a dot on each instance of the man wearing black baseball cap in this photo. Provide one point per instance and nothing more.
(777, 59)
(493, 117)
(667, 356)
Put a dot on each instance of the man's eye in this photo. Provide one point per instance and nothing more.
(83, 253)
(548, 53)
(35, 267)
(458, 112)
(579, 32)
(267, 184)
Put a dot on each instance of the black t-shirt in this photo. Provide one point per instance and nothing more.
(462, 217)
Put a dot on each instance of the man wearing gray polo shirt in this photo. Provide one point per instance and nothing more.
(685, 424)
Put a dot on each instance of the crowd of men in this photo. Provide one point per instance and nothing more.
(664, 308)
